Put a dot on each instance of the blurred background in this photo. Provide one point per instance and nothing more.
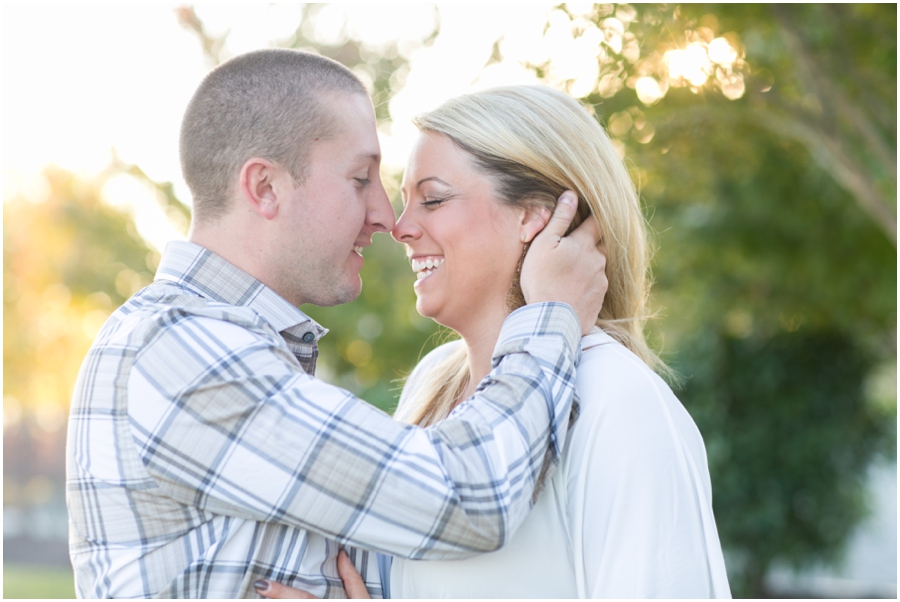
(763, 140)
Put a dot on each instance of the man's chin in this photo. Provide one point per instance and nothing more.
(339, 297)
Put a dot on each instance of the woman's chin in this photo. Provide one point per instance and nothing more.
(424, 308)
(434, 313)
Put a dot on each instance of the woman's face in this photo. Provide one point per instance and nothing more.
(463, 244)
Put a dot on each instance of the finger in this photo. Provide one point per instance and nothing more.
(562, 215)
(277, 591)
(353, 583)
(588, 233)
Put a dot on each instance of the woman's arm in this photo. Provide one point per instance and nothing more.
(637, 500)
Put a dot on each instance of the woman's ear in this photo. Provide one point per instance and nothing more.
(258, 188)
(533, 221)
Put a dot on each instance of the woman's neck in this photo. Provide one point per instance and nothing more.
(480, 340)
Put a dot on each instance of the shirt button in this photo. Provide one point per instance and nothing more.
(309, 337)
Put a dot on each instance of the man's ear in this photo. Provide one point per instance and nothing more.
(533, 221)
(259, 186)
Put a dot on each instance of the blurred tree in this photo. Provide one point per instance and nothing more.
(821, 75)
(382, 66)
(790, 437)
(764, 140)
(69, 259)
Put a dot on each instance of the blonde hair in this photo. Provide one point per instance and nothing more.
(534, 143)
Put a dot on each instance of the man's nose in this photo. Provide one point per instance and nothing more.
(381, 213)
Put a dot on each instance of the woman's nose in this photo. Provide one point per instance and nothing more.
(405, 229)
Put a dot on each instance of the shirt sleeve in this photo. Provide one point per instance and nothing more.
(225, 421)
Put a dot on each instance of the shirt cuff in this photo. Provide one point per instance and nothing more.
(531, 329)
(540, 319)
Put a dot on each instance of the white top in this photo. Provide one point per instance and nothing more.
(628, 513)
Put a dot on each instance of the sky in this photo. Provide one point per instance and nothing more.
(81, 81)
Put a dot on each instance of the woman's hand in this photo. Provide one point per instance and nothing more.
(353, 583)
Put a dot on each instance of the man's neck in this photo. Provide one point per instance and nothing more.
(236, 244)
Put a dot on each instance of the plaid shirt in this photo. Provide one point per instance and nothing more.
(203, 455)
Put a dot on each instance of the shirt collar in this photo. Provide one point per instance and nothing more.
(596, 337)
(211, 276)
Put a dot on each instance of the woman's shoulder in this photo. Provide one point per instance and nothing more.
(605, 361)
(618, 388)
(432, 360)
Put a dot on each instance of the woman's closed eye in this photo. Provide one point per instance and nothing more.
(432, 203)
(363, 182)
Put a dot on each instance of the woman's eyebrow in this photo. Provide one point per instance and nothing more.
(404, 186)
(431, 179)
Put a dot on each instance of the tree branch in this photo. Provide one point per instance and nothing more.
(831, 95)
(212, 46)
(829, 154)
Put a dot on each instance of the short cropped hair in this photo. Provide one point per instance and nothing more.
(266, 103)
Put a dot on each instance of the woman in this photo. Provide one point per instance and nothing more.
(628, 512)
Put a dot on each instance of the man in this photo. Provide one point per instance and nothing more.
(202, 453)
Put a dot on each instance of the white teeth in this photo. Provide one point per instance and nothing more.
(358, 250)
(424, 268)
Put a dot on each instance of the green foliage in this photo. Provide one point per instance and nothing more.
(382, 67)
(765, 235)
(789, 436)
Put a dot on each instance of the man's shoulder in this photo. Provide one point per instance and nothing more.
(166, 304)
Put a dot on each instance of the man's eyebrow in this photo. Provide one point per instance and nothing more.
(369, 156)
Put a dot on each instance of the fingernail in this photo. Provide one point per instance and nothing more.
(261, 584)
(568, 198)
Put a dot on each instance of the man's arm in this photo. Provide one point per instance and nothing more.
(252, 437)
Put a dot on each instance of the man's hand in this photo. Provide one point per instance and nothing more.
(353, 583)
(569, 269)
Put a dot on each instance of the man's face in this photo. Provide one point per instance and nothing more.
(334, 213)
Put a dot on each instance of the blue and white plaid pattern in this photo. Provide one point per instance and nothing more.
(203, 455)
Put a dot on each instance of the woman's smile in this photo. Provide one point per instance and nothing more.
(463, 244)
(426, 266)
